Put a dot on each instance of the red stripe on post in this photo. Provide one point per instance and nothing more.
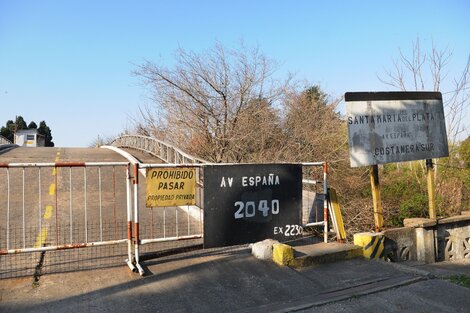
(129, 230)
(136, 234)
(136, 173)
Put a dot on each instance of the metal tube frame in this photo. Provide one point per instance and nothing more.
(323, 223)
(71, 245)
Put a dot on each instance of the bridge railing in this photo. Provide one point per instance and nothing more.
(4, 141)
(162, 150)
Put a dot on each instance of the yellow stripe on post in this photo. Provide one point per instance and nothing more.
(372, 244)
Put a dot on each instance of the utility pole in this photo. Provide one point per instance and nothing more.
(15, 128)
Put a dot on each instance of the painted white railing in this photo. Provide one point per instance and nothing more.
(4, 141)
(162, 150)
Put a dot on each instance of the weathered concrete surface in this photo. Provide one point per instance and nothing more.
(308, 255)
(424, 296)
(419, 222)
(233, 280)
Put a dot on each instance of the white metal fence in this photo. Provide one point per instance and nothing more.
(61, 206)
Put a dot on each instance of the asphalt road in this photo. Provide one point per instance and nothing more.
(231, 280)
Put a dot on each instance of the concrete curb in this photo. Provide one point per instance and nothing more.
(409, 269)
(308, 255)
(340, 255)
(283, 254)
(372, 244)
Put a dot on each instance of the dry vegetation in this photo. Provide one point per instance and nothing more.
(225, 105)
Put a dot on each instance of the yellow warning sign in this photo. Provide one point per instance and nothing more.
(170, 187)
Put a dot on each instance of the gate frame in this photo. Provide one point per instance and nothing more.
(139, 166)
(79, 245)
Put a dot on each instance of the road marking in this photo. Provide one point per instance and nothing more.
(41, 239)
(42, 236)
(48, 212)
(52, 189)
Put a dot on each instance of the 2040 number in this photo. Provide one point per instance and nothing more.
(249, 208)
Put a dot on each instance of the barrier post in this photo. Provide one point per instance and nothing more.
(136, 218)
(376, 198)
(129, 259)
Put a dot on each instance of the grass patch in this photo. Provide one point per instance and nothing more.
(461, 280)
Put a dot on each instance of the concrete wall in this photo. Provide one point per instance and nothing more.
(421, 239)
(453, 238)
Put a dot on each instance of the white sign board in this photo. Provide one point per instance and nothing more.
(389, 127)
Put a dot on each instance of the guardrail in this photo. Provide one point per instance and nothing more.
(162, 150)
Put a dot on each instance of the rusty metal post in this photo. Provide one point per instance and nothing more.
(430, 181)
(376, 198)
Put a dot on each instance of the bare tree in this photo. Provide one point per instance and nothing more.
(314, 128)
(421, 71)
(202, 99)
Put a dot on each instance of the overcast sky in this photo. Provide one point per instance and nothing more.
(70, 62)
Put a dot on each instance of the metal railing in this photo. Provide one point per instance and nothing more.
(67, 205)
(174, 223)
(162, 150)
(4, 141)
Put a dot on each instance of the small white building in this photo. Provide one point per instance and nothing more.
(29, 138)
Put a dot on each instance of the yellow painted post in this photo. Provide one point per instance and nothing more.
(431, 196)
(376, 198)
(337, 217)
(372, 244)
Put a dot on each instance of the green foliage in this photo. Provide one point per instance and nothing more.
(46, 131)
(32, 125)
(461, 280)
(404, 193)
(464, 153)
(20, 123)
(10, 127)
(6, 131)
